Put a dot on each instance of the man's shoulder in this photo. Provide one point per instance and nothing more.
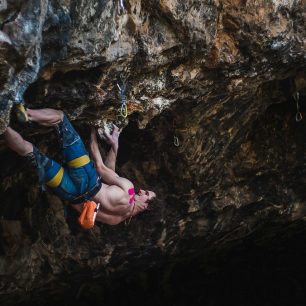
(116, 194)
(125, 184)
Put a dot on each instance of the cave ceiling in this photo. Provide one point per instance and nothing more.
(213, 89)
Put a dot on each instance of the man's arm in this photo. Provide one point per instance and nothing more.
(94, 148)
(109, 219)
(108, 175)
(112, 219)
(97, 157)
(103, 216)
(113, 140)
(111, 157)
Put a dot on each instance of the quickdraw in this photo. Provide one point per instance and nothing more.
(298, 115)
(176, 141)
(121, 8)
(123, 111)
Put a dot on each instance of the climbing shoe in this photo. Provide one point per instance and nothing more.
(31, 159)
(88, 214)
(21, 113)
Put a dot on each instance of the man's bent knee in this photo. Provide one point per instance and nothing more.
(46, 116)
(28, 148)
(66, 132)
(61, 115)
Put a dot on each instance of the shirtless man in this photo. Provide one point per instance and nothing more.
(81, 179)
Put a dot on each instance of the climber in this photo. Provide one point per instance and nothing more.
(81, 182)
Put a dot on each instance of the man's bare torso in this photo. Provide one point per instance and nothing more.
(113, 199)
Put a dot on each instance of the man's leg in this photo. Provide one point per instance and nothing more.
(56, 118)
(45, 116)
(49, 171)
(68, 135)
(16, 143)
(75, 153)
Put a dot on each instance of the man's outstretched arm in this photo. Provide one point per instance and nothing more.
(108, 175)
(94, 149)
(113, 140)
(103, 216)
(112, 219)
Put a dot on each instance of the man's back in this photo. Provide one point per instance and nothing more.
(114, 199)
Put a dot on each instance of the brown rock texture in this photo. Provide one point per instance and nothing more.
(213, 89)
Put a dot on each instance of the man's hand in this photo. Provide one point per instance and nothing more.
(113, 138)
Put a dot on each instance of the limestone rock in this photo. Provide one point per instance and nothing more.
(211, 127)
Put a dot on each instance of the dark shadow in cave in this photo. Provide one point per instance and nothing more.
(258, 270)
(279, 141)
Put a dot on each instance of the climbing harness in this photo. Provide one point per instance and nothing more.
(121, 9)
(298, 115)
(123, 111)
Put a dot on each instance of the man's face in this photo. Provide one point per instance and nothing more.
(145, 196)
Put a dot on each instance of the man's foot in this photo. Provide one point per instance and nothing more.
(31, 159)
(21, 113)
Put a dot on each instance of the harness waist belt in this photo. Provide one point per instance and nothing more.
(88, 194)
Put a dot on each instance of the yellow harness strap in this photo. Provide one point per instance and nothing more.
(79, 162)
(56, 180)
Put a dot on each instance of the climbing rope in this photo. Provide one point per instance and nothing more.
(298, 115)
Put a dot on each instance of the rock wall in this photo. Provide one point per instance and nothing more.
(211, 128)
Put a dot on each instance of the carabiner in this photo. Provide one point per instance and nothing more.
(296, 96)
(124, 110)
(298, 116)
(176, 141)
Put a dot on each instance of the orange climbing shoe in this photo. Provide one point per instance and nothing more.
(88, 214)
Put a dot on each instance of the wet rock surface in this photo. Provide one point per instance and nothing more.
(212, 101)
